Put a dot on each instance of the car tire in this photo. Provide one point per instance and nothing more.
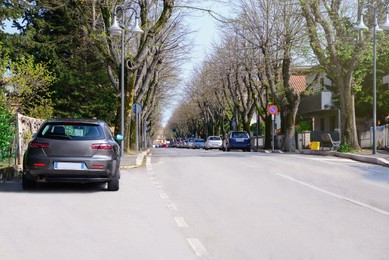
(113, 185)
(27, 184)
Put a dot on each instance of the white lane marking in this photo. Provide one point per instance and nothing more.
(157, 184)
(164, 196)
(171, 206)
(181, 222)
(197, 247)
(336, 195)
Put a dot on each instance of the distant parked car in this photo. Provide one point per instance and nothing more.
(237, 140)
(213, 142)
(199, 143)
(190, 143)
(73, 150)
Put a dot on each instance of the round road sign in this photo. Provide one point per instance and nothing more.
(272, 109)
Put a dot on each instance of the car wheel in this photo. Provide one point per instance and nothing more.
(113, 185)
(27, 184)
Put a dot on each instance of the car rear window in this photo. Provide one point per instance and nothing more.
(214, 138)
(240, 135)
(76, 131)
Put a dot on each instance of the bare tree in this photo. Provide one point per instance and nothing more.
(330, 28)
(274, 27)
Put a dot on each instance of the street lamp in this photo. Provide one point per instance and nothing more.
(376, 28)
(117, 29)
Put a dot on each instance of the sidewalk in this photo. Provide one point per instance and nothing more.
(380, 158)
(133, 160)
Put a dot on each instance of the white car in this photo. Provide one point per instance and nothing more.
(213, 142)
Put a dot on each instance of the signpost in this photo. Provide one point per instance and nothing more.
(137, 108)
(233, 125)
(272, 110)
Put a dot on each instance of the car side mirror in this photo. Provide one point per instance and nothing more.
(119, 138)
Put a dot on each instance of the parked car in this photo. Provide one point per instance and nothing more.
(198, 143)
(213, 142)
(190, 143)
(73, 150)
(237, 140)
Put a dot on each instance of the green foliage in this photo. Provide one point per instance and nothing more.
(261, 128)
(31, 82)
(83, 88)
(7, 131)
(303, 124)
(364, 98)
(345, 148)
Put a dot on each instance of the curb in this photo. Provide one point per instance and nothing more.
(352, 156)
(366, 159)
(140, 157)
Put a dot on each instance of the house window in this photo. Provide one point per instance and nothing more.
(322, 124)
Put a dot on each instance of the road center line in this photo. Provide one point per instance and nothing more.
(171, 206)
(197, 247)
(336, 195)
(181, 222)
(164, 196)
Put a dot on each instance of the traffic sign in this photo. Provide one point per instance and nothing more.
(136, 108)
(272, 109)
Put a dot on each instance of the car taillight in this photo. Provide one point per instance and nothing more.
(39, 164)
(97, 166)
(38, 145)
(105, 147)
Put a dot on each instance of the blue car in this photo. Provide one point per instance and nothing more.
(237, 140)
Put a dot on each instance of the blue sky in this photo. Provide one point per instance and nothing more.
(206, 32)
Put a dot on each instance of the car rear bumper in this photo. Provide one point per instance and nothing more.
(95, 170)
(71, 177)
(214, 146)
(239, 145)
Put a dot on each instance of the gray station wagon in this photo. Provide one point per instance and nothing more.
(75, 151)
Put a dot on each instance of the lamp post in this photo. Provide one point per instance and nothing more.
(376, 28)
(117, 29)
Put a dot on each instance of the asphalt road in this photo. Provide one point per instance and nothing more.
(277, 206)
(197, 204)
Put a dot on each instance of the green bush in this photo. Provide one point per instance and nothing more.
(261, 128)
(345, 148)
(7, 131)
(304, 126)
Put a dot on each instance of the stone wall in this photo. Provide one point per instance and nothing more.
(26, 127)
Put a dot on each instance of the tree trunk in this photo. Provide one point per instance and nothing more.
(348, 126)
(290, 140)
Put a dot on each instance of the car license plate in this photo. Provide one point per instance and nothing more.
(240, 139)
(69, 166)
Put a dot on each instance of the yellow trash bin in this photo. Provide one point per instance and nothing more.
(315, 145)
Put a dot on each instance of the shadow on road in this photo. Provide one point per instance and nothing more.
(16, 186)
